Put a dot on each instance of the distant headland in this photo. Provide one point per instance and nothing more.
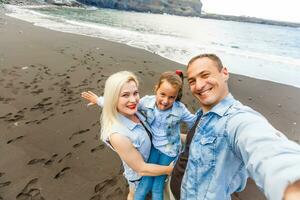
(191, 8)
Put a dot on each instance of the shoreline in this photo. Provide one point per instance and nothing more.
(275, 67)
(244, 19)
(51, 139)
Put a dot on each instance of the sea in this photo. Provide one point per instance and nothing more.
(260, 51)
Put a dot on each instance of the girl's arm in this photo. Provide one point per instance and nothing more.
(133, 158)
(142, 101)
(187, 116)
(92, 98)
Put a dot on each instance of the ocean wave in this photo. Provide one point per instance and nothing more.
(275, 68)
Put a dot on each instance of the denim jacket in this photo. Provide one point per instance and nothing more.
(232, 142)
(137, 134)
(177, 114)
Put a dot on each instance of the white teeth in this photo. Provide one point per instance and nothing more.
(205, 92)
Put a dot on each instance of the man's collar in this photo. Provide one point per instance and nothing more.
(222, 107)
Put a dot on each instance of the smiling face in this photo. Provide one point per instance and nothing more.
(166, 94)
(128, 99)
(207, 83)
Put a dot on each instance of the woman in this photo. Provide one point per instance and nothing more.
(123, 129)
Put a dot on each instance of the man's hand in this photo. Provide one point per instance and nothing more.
(292, 192)
(90, 96)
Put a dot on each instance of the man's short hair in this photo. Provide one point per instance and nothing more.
(210, 56)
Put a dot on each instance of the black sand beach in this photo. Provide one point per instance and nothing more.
(49, 138)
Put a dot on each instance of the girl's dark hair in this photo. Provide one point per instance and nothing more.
(174, 78)
(180, 74)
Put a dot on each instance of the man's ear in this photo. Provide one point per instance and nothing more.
(225, 73)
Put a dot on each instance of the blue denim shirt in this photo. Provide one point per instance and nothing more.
(171, 126)
(139, 138)
(232, 142)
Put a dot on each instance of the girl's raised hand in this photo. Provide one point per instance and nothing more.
(90, 96)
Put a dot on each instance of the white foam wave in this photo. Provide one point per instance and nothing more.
(259, 65)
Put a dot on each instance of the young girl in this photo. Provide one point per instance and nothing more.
(163, 112)
(123, 129)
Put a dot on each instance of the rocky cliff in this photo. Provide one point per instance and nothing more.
(176, 7)
(42, 2)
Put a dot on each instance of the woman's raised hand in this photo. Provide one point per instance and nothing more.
(90, 96)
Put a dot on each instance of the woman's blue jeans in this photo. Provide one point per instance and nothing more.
(155, 184)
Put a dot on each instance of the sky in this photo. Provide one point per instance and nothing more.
(287, 10)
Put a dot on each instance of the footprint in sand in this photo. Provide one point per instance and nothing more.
(40, 106)
(20, 112)
(15, 118)
(50, 161)
(46, 99)
(99, 147)
(151, 73)
(26, 86)
(96, 123)
(14, 139)
(36, 161)
(105, 184)
(30, 191)
(4, 184)
(98, 81)
(36, 92)
(78, 144)
(78, 133)
(6, 116)
(29, 122)
(65, 112)
(62, 172)
(68, 155)
(109, 184)
(96, 197)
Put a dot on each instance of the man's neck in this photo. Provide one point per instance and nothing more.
(206, 109)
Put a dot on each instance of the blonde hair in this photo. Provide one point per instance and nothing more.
(112, 91)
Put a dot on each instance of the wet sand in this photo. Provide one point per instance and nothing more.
(49, 141)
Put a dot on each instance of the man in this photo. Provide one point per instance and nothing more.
(231, 142)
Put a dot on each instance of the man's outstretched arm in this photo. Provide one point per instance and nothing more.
(270, 158)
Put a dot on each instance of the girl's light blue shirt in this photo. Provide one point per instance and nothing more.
(165, 125)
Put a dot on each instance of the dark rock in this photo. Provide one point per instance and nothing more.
(176, 7)
(24, 2)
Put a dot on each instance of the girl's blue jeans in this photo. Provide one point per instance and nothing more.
(155, 184)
